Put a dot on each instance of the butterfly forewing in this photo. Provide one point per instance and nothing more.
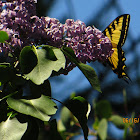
(117, 32)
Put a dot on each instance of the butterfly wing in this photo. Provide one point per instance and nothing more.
(117, 33)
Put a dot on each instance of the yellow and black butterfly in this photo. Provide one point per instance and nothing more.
(117, 32)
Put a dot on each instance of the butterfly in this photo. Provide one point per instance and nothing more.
(117, 33)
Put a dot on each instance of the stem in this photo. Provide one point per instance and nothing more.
(10, 47)
(57, 100)
(17, 62)
(125, 101)
(8, 95)
(8, 44)
(10, 115)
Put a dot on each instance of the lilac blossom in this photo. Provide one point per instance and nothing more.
(18, 18)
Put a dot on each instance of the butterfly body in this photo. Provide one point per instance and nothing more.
(117, 33)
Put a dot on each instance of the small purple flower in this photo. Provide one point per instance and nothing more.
(88, 43)
(54, 32)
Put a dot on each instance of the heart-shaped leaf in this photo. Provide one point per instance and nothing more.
(42, 108)
(48, 60)
(12, 129)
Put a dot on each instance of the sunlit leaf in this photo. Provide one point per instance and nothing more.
(87, 70)
(12, 129)
(3, 36)
(48, 60)
(80, 109)
(102, 129)
(42, 108)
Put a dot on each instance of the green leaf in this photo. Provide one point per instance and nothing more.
(3, 36)
(103, 109)
(117, 120)
(80, 109)
(9, 95)
(87, 70)
(28, 59)
(102, 130)
(50, 53)
(90, 74)
(70, 53)
(46, 63)
(12, 129)
(42, 108)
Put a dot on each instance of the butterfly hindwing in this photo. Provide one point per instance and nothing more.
(117, 32)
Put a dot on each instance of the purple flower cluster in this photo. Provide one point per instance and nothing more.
(88, 43)
(15, 20)
(18, 18)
